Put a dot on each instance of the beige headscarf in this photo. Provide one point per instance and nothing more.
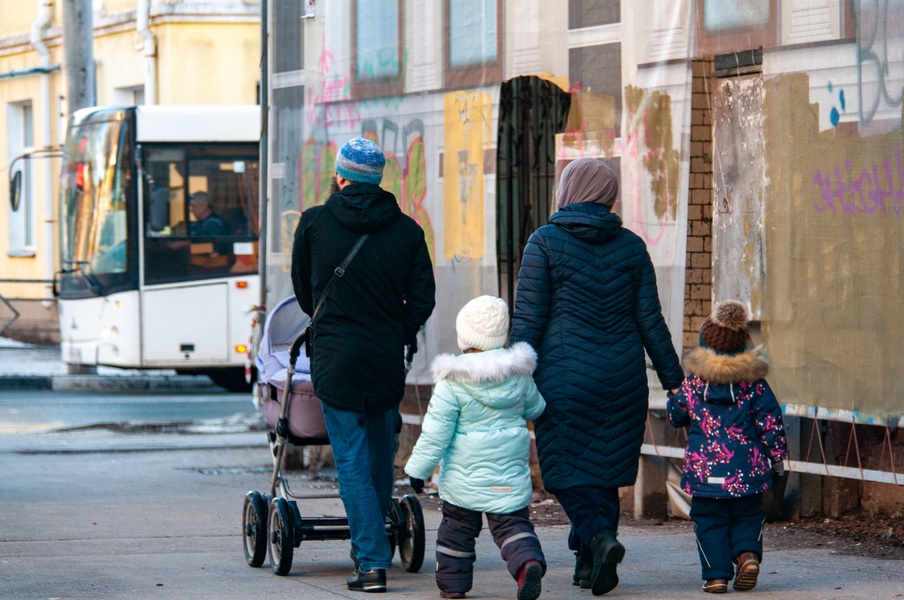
(587, 180)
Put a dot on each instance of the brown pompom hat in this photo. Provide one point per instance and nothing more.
(725, 330)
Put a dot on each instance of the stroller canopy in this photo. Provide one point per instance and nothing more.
(284, 323)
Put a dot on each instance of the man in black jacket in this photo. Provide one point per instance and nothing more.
(359, 334)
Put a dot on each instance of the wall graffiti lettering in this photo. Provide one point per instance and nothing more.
(875, 72)
(878, 189)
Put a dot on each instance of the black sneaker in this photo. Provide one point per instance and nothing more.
(373, 581)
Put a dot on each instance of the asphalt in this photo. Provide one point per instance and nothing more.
(96, 514)
(32, 367)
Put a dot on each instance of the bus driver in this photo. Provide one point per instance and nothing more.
(207, 223)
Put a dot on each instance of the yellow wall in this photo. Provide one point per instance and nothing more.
(16, 16)
(208, 63)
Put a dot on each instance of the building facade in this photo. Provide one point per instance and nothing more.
(759, 145)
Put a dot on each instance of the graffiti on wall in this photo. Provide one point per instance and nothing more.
(879, 71)
(650, 162)
(468, 133)
(405, 174)
(833, 321)
(876, 188)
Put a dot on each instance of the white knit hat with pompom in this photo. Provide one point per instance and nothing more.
(483, 324)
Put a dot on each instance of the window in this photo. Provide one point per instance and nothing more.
(201, 216)
(377, 35)
(733, 25)
(472, 32)
(20, 140)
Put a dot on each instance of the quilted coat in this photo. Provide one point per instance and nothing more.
(587, 302)
(734, 425)
(476, 427)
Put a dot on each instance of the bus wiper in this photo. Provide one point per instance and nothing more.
(93, 282)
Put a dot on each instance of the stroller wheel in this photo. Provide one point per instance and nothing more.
(411, 546)
(254, 528)
(281, 527)
(393, 520)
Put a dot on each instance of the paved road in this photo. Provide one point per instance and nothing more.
(99, 514)
(43, 410)
(95, 513)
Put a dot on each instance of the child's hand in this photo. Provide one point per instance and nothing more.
(778, 469)
(417, 484)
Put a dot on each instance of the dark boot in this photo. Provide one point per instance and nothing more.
(583, 570)
(373, 581)
(529, 578)
(607, 553)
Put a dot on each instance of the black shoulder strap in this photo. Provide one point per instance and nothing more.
(338, 272)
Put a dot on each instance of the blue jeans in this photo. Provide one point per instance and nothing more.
(363, 450)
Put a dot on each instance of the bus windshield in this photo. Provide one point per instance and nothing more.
(96, 180)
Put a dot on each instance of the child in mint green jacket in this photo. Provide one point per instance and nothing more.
(476, 428)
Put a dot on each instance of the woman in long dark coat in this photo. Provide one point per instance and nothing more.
(587, 302)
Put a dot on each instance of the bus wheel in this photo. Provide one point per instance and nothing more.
(233, 379)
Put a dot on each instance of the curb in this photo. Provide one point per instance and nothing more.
(102, 383)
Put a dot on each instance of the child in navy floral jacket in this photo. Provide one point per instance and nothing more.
(735, 441)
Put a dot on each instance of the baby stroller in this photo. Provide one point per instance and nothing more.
(274, 520)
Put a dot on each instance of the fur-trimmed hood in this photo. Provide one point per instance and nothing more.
(724, 368)
(491, 366)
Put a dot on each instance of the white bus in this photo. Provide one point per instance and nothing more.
(159, 239)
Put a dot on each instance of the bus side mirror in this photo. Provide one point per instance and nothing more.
(15, 190)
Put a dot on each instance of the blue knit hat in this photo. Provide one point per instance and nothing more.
(361, 160)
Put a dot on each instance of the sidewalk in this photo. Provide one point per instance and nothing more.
(31, 367)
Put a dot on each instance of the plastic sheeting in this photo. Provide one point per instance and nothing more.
(809, 192)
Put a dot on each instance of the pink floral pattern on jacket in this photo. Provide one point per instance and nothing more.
(734, 433)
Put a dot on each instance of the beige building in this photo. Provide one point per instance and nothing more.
(145, 52)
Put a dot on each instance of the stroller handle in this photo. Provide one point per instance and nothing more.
(295, 350)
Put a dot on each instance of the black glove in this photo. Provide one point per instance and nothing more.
(417, 485)
(778, 469)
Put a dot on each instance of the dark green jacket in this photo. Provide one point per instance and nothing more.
(386, 295)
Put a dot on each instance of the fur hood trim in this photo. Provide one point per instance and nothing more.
(723, 368)
(490, 366)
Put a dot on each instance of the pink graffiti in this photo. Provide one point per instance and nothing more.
(638, 148)
(325, 108)
(868, 192)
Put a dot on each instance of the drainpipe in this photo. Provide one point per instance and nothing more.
(149, 45)
(38, 32)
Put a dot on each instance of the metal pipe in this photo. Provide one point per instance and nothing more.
(38, 32)
(29, 72)
(149, 46)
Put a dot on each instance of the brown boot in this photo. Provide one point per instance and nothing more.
(748, 571)
(715, 586)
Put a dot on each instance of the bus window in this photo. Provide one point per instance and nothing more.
(206, 222)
